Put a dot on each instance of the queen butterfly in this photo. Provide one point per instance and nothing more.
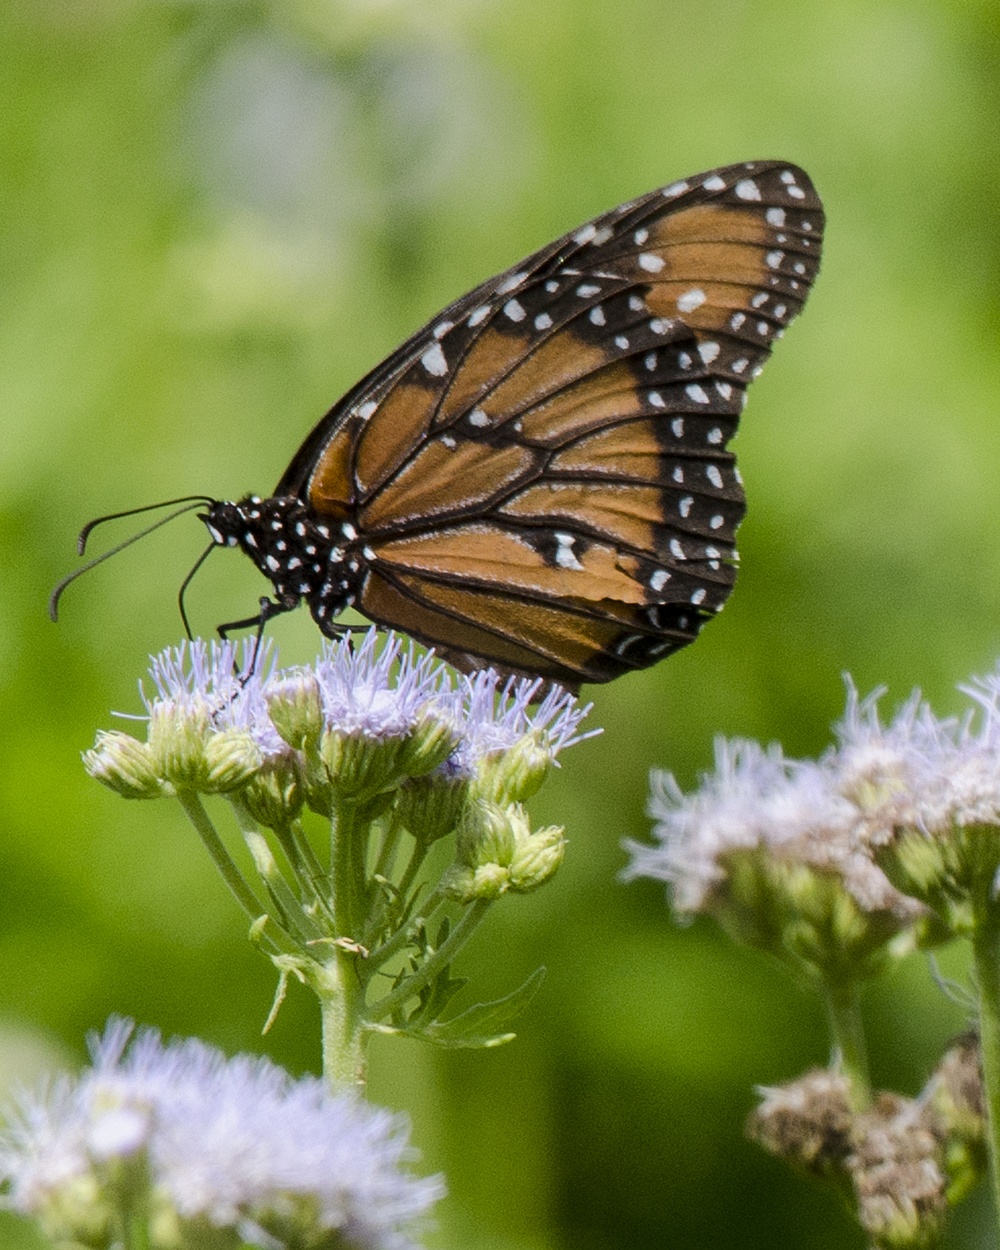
(539, 478)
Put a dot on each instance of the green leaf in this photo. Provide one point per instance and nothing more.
(479, 1026)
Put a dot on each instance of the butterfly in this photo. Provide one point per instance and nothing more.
(539, 479)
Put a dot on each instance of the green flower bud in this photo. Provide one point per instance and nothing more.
(431, 807)
(273, 795)
(485, 836)
(177, 738)
(359, 765)
(296, 710)
(514, 775)
(536, 857)
(466, 885)
(125, 764)
(231, 758)
(433, 739)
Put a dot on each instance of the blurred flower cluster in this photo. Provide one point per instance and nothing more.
(888, 843)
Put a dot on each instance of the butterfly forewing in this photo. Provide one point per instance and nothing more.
(540, 477)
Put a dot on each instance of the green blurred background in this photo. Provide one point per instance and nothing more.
(214, 217)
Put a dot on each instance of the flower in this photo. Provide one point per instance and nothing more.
(236, 1144)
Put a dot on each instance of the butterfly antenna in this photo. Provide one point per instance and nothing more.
(190, 503)
(187, 582)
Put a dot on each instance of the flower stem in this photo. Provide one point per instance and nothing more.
(847, 1032)
(986, 953)
(341, 999)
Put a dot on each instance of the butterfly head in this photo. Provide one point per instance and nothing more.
(302, 556)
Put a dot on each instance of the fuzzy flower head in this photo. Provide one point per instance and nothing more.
(202, 1142)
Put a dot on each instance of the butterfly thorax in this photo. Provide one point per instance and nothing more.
(302, 556)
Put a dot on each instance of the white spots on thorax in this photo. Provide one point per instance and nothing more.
(775, 217)
(249, 539)
(300, 529)
(543, 321)
(478, 418)
(479, 315)
(273, 563)
(368, 553)
(747, 189)
(714, 475)
(714, 183)
(691, 299)
(294, 563)
(348, 530)
(696, 393)
(651, 262)
(587, 289)
(514, 310)
(511, 282)
(565, 555)
(596, 315)
(675, 189)
(658, 580)
(281, 545)
(708, 351)
(434, 361)
(656, 399)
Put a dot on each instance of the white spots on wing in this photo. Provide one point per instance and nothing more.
(676, 550)
(717, 522)
(799, 268)
(675, 189)
(684, 360)
(565, 555)
(714, 183)
(677, 427)
(543, 321)
(774, 259)
(641, 236)
(273, 563)
(780, 310)
(552, 286)
(656, 399)
(739, 365)
(658, 580)
(368, 553)
(760, 299)
(448, 441)
(348, 530)
(708, 351)
(714, 475)
(596, 316)
(698, 596)
(696, 393)
(514, 310)
(747, 189)
(651, 262)
(434, 361)
(478, 315)
(713, 553)
(685, 506)
(585, 234)
(763, 328)
(621, 341)
(737, 320)
(636, 303)
(775, 217)
(511, 282)
(659, 326)
(650, 361)
(587, 289)
(478, 418)
(807, 225)
(678, 474)
(602, 236)
(367, 410)
(714, 436)
(724, 389)
(442, 328)
(692, 299)
(796, 193)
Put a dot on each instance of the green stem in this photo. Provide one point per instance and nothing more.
(232, 876)
(986, 953)
(341, 998)
(847, 1032)
(401, 937)
(429, 969)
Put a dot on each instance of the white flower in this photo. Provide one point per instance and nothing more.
(236, 1143)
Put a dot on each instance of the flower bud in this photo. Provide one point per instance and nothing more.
(430, 743)
(125, 764)
(177, 737)
(536, 857)
(515, 774)
(467, 885)
(296, 710)
(231, 758)
(273, 795)
(485, 836)
(359, 765)
(432, 806)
